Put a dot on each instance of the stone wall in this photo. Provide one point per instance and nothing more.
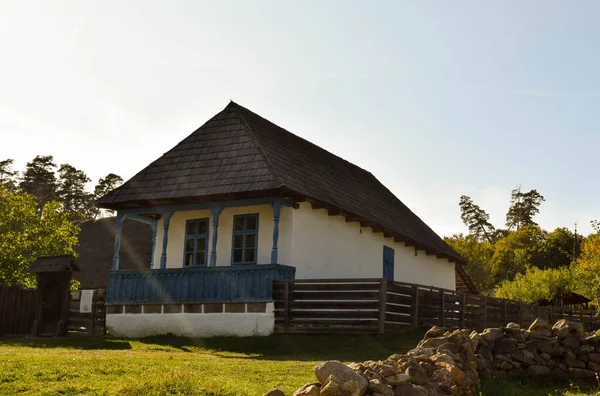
(452, 362)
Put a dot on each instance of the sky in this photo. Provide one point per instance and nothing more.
(436, 98)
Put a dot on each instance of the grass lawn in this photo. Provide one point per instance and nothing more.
(216, 366)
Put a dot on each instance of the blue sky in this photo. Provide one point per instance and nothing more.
(436, 98)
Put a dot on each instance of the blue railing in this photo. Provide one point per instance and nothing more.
(243, 283)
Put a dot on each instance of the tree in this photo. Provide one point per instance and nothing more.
(8, 176)
(523, 207)
(537, 284)
(587, 267)
(25, 235)
(71, 191)
(516, 252)
(476, 219)
(478, 255)
(560, 248)
(104, 186)
(39, 180)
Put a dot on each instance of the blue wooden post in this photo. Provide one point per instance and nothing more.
(213, 253)
(276, 211)
(166, 221)
(118, 229)
(154, 228)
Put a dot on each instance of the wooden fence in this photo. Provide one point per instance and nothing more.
(18, 308)
(376, 305)
(93, 323)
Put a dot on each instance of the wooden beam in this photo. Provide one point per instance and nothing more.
(377, 229)
(333, 212)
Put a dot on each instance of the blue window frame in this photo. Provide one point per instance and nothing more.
(196, 242)
(245, 239)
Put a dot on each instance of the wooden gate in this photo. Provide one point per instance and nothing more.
(92, 323)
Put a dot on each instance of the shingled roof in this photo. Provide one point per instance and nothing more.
(239, 154)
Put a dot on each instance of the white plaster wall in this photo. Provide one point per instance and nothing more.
(326, 246)
(175, 244)
(192, 325)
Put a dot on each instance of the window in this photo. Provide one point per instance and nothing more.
(245, 233)
(196, 242)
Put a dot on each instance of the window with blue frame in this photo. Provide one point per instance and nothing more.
(196, 242)
(245, 239)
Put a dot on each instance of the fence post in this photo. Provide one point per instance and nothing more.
(521, 314)
(416, 317)
(382, 301)
(463, 312)
(485, 321)
(286, 305)
(443, 307)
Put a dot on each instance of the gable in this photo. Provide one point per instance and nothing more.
(238, 154)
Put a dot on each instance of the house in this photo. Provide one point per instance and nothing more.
(242, 202)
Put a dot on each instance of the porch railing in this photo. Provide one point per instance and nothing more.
(243, 283)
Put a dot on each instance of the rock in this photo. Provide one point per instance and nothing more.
(435, 331)
(545, 356)
(380, 388)
(458, 337)
(593, 366)
(563, 329)
(410, 390)
(456, 373)
(538, 370)
(583, 358)
(543, 347)
(443, 357)
(335, 386)
(385, 370)
(505, 346)
(434, 342)
(475, 339)
(592, 340)
(513, 325)
(309, 390)
(516, 334)
(492, 334)
(449, 348)
(417, 374)
(582, 373)
(584, 350)
(428, 367)
(274, 392)
(419, 351)
(594, 357)
(485, 353)
(397, 379)
(574, 363)
(571, 342)
(341, 372)
(540, 329)
(443, 379)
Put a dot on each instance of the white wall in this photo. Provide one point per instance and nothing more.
(318, 245)
(175, 244)
(326, 246)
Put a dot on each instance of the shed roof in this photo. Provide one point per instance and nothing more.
(54, 264)
(239, 154)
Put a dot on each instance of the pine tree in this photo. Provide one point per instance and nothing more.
(8, 176)
(104, 186)
(476, 219)
(71, 191)
(523, 207)
(39, 180)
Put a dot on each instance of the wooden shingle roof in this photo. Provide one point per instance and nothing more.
(54, 264)
(239, 154)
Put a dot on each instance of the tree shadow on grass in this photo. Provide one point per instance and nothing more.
(306, 347)
(70, 342)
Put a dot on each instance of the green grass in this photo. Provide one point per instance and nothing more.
(216, 366)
